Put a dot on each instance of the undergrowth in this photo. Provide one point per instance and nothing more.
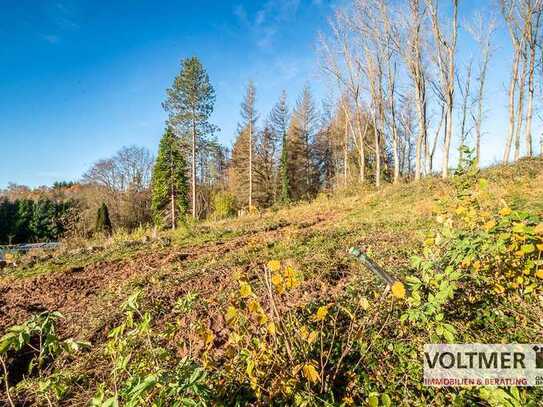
(299, 323)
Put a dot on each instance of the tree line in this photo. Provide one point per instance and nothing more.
(293, 155)
(26, 220)
(400, 92)
(395, 66)
(400, 99)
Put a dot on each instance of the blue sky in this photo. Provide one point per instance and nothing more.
(82, 78)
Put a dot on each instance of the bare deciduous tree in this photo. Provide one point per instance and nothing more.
(445, 50)
(482, 31)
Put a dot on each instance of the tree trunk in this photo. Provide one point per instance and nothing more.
(520, 108)
(193, 166)
(172, 198)
(512, 92)
(377, 159)
(345, 163)
(361, 149)
(450, 94)
(250, 165)
(465, 99)
(421, 111)
(172, 191)
(529, 113)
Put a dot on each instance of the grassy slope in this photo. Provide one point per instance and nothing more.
(391, 223)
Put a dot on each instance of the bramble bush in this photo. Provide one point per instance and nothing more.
(143, 371)
(480, 263)
(37, 345)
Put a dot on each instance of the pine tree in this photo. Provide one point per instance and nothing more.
(249, 116)
(169, 188)
(189, 104)
(103, 222)
(279, 123)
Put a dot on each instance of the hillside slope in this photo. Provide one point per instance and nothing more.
(190, 280)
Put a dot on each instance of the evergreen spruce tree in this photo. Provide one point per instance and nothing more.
(8, 217)
(169, 187)
(103, 223)
(279, 122)
(23, 220)
(42, 224)
(301, 137)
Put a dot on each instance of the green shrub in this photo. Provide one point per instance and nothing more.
(224, 205)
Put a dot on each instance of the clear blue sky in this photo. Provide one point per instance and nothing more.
(82, 78)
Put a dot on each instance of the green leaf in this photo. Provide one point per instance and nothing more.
(373, 400)
(385, 400)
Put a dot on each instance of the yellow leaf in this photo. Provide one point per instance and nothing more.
(262, 318)
(209, 337)
(489, 225)
(291, 282)
(538, 230)
(348, 401)
(539, 274)
(364, 303)
(312, 337)
(429, 241)
(398, 290)
(231, 314)
(321, 313)
(505, 211)
(280, 288)
(290, 272)
(304, 333)
(460, 210)
(274, 265)
(310, 373)
(245, 289)
(277, 279)
(253, 305)
(271, 328)
(253, 382)
(539, 247)
(234, 338)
